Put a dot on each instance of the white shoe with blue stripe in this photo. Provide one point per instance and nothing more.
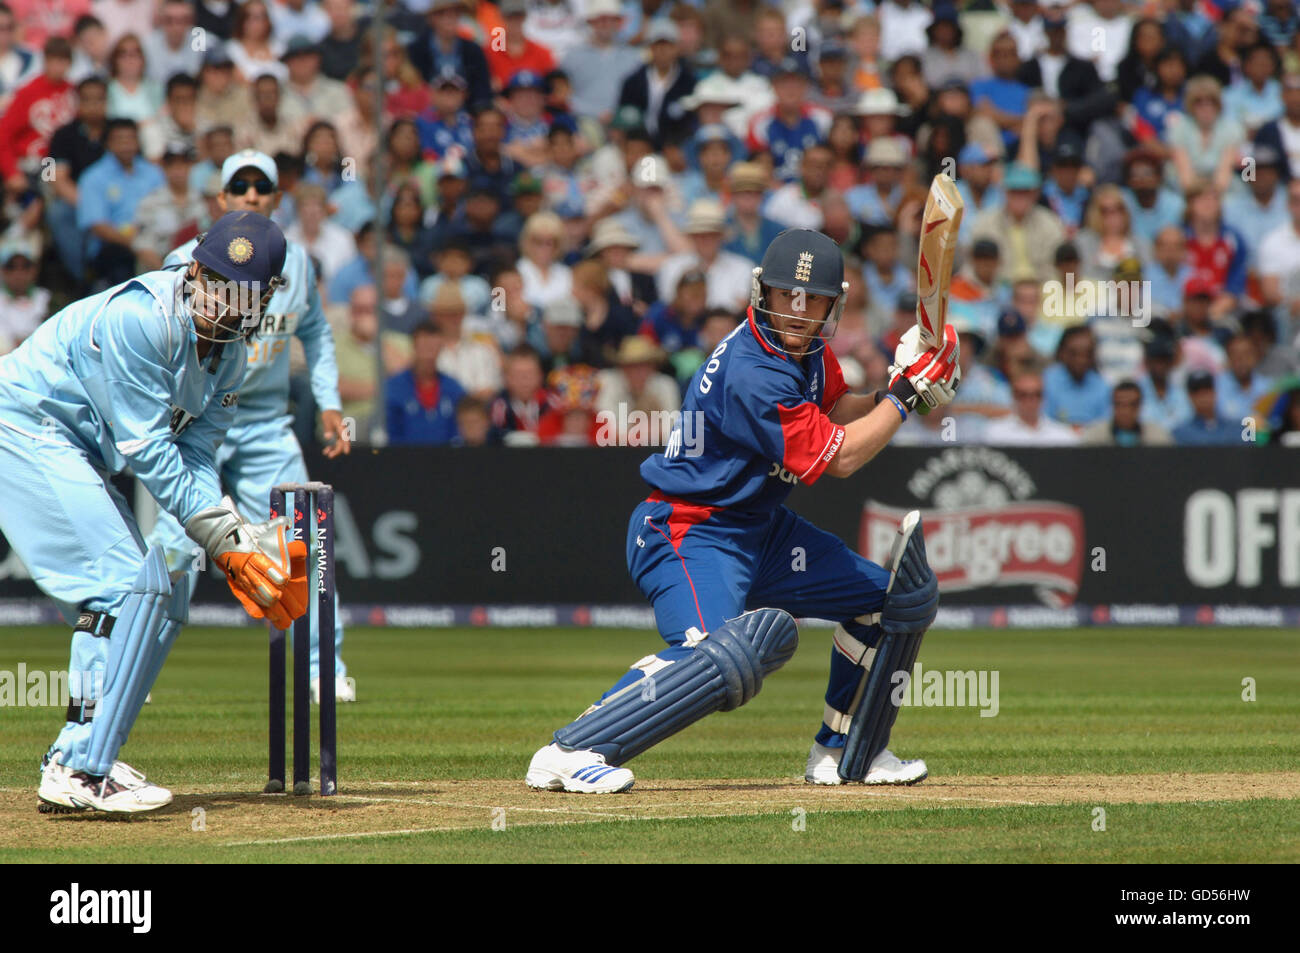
(582, 772)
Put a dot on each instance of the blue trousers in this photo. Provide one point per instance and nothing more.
(700, 566)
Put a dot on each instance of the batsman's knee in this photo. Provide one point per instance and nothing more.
(913, 599)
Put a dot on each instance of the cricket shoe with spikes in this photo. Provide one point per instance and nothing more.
(824, 763)
(581, 772)
(124, 790)
(345, 690)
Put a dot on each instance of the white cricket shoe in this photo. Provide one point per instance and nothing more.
(823, 768)
(345, 690)
(64, 791)
(582, 772)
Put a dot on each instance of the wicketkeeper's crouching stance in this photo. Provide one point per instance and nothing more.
(144, 375)
(714, 540)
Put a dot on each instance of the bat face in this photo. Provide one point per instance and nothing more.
(938, 246)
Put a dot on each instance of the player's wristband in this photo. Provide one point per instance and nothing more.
(902, 411)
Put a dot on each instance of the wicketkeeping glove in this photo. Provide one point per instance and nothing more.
(928, 377)
(266, 570)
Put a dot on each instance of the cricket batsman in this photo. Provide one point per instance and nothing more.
(261, 450)
(727, 566)
(146, 376)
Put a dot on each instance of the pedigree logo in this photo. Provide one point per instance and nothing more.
(983, 528)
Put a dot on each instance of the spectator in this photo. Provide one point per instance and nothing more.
(633, 385)
(1066, 77)
(1236, 32)
(792, 125)
(1027, 425)
(1201, 345)
(222, 96)
(1277, 359)
(556, 335)
(513, 317)
(490, 167)
(976, 285)
(340, 48)
(1283, 133)
(712, 147)
(178, 121)
(526, 127)
(406, 95)
(329, 243)
(800, 204)
(218, 144)
(131, 94)
(170, 49)
(89, 50)
(1125, 428)
(356, 339)
(439, 49)
(1216, 251)
(545, 279)
(322, 156)
(271, 128)
(749, 231)
(519, 407)
(451, 265)
(290, 18)
(1027, 235)
(445, 127)
(728, 274)
(475, 364)
(74, 147)
(1164, 392)
(1100, 33)
(879, 201)
(169, 215)
(121, 17)
(474, 424)
(674, 323)
(945, 57)
(983, 396)
(886, 277)
(1279, 22)
(421, 402)
(1187, 28)
(253, 48)
(1151, 207)
(1205, 142)
(735, 82)
(515, 52)
(555, 25)
(1107, 236)
(107, 197)
(398, 309)
(1206, 428)
(1279, 259)
(658, 87)
(35, 113)
(306, 92)
(1261, 206)
(23, 305)
(1138, 67)
(903, 27)
(647, 217)
(1162, 101)
(1239, 386)
(1001, 97)
(41, 20)
(1026, 27)
(1074, 392)
(216, 17)
(832, 91)
(1169, 271)
(1255, 97)
(357, 126)
(771, 41)
(606, 320)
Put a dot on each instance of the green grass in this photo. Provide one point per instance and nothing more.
(463, 704)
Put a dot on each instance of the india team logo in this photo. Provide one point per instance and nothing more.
(239, 250)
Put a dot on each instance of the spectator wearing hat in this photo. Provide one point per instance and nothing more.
(598, 66)
(1026, 233)
(613, 246)
(356, 340)
(38, 108)
(903, 28)
(1068, 78)
(169, 49)
(1283, 133)
(469, 358)
(440, 49)
(170, 215)
(305, 18)
(490, 167)
(108, 195)
(308, 92)
(525, 201)
(714, 101)
(1027, 425)
(1206, 428)
(340, 48)
(513, 51)
(792, 125)
(1151, 206)
(519, 407)
(1164, 390)
(222, 95)
(878, 201)
(1239, 386)
(545, 278)
(556, 335)
(799, 204)
(749, 230)
(887, 279)
(944, 57)
(23, 305)
(526, 125)
(1126, 428)
(1157, 103)
(1260, 207)
(1064, 191)
(635, 384)
(658, 87)
(1074, 392)
(252, 46)
(1168, 271)
(1216, 251)
(420, 402)
(1002, 97)
(729, 275)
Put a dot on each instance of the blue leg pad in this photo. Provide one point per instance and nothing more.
(910, 608)
(724, 670)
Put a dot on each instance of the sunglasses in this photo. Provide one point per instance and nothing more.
(1028, 394)
(240, 186)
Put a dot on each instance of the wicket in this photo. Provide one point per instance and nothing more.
(313, 511)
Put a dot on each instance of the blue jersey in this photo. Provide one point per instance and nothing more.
(294, 311)
(762, 427)
(117, 375)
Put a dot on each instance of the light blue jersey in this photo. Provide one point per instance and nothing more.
(118, 377)
(294, 311)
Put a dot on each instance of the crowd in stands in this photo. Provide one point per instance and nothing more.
(532, 217)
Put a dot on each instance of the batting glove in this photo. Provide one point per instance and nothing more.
(925, 376)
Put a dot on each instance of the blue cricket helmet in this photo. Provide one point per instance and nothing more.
(243, 254)
(801, 258)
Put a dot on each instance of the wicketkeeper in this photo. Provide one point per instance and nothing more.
(144, 375)
(714, 549)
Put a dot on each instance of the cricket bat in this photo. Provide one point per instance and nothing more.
(938, 246)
